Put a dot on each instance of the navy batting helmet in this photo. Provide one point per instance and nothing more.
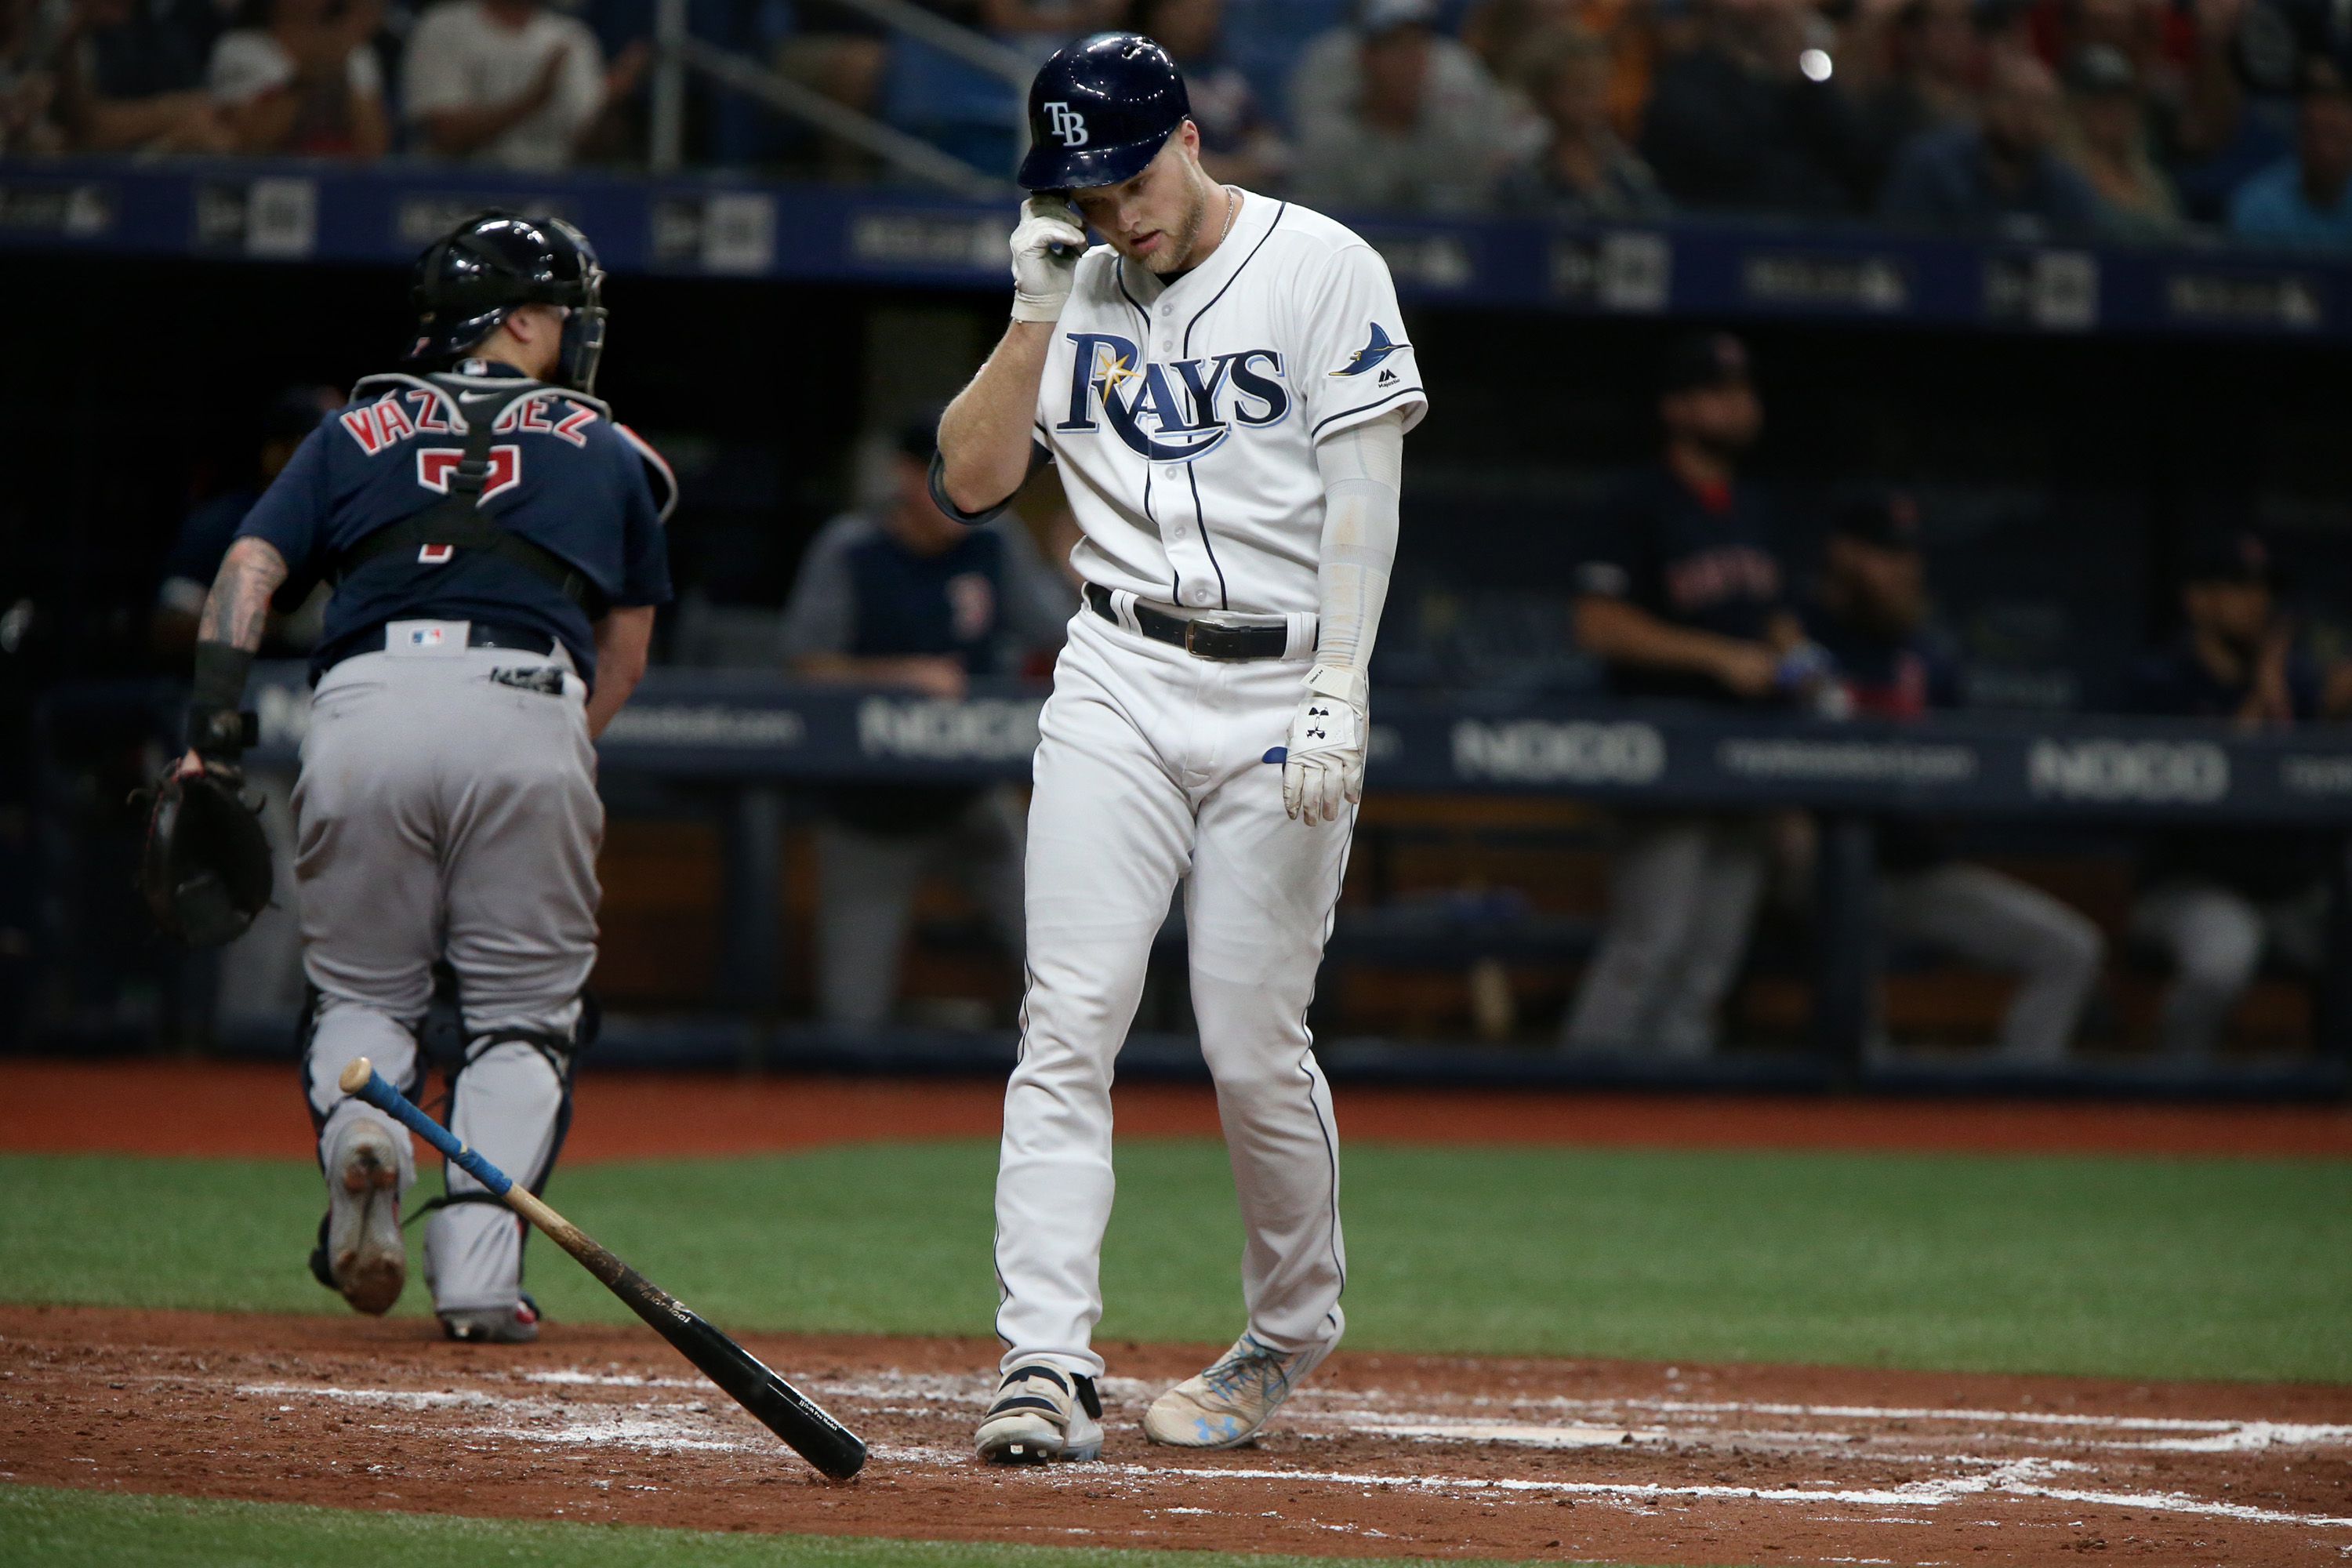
(471, 279)
(1099, 111)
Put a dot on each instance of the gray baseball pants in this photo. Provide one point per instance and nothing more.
(867, 883)
(443, 814)
(1681, 895)
(2215, 937)
(1978, 914)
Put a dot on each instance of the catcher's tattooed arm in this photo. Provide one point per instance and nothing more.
(237, 609)
(228, 634)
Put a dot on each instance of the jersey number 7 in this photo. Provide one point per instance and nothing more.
(435, 464)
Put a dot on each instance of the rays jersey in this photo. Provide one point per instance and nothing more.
(1184, 415)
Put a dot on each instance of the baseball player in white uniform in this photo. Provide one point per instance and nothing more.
(1226, 384)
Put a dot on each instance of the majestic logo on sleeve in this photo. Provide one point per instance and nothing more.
(1068, 126)
(1171, 412)
(1369, 356)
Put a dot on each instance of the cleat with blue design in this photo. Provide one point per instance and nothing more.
(1042, 1414)
(1224, 1406)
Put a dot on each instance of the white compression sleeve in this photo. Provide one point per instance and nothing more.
(1363, 473)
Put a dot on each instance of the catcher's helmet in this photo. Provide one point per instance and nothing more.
(468, 282)
(1099, 111)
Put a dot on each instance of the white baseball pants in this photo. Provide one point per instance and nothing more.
(1149, 773)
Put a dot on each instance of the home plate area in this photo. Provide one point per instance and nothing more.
(1382, 1454)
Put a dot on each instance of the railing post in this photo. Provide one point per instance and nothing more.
(668, 148)
(1846, 957)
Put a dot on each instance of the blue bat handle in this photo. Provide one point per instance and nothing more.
(381, 1094)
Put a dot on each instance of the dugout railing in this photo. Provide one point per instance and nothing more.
(743, 746)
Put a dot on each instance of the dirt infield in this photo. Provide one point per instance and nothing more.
(1383, 1456)
(215, 1109)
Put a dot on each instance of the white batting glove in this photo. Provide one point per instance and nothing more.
(1323, 770)
(1045, 250)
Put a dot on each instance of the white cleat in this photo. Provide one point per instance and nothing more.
(1224, 1406)
(366, 1256)
(1042, 1414)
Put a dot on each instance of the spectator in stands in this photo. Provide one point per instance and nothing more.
(1390, 114)
(1927, 80)
(303, 79)
(2213, 901)
(2005, 178)
(136, 81)
(1682, 597)
(900, 594)
(2214, 138)
(509, 82)
(2151, 34)
(2107, 139)
(844, 54)
(33, 38)
(205, 533)
(1583, 171)
(1869, 616)
(1738, 121)
(2305, 199)
(1501, 33)
(1507, 35)
(1239, 144)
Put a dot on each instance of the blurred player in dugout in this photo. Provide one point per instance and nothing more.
(1682, 597)
(1869, 616)
(898, 594)
(2215, 902)
(259, 982)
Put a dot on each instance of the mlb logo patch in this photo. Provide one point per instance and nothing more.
(434, 554)
(427, 636)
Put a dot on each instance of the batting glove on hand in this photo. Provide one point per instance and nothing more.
(1045, 251)
(1323, 770)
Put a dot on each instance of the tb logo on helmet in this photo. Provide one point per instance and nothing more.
(1068, 124)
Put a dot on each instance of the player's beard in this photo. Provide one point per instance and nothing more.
(1178, 256)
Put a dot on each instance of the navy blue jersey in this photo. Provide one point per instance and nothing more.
(986, 600)
(1884, 676)
(2261, 864)
(1703, 562)
(910, 603)
(1899, 679)
(2178, 684)
(563, 475)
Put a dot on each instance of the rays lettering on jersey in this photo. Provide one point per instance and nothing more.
(1175, 412)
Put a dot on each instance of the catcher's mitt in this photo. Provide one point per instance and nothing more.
(206, 872)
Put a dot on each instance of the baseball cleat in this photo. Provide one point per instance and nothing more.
(1224, 1406)
(366, 1257)
(1042, 1414)
(515, 1325)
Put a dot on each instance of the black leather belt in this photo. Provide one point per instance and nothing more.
(479, 634)
(1198, 638)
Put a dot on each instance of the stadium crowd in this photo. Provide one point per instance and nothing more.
(2023, 119)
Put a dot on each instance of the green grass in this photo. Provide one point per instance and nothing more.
(2119, 1267)
(104, 1530)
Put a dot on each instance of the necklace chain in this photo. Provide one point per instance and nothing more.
(1232, 205)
